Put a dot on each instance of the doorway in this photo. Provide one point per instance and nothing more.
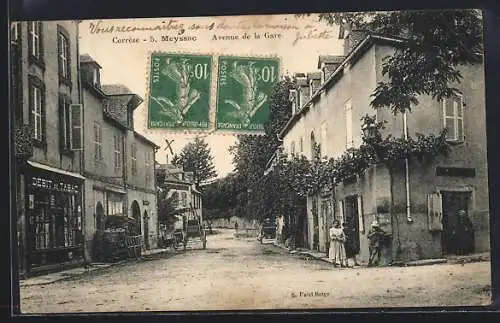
(136, 214)
(146, 230)
(99, 217)
(351, 219)
(452, 203)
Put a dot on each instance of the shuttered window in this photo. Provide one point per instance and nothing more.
(348, 124)
(63, 56)
(64, 123)
(133, 154)
(37, 112)
(117, 153)
(453, 118)
(76, 131)
(35, 39)
(97, 141)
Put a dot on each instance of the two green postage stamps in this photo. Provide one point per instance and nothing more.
(185, 91)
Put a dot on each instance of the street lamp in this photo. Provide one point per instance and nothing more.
(369, 131)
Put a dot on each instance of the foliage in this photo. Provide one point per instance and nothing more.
(196, 157)
(257, 195)
(167, 208)
(427, 62)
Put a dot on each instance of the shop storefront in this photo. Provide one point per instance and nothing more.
(55, 220)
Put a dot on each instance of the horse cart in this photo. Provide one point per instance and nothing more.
(193, 229)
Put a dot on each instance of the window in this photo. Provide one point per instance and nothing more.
(292, 149)
(301, 145)
(14, 32)
(54, 219)
(133, 153)
(184, 199)
(64, 123)
(98, 141)
(453, 117)
(323, 137)
(63, 56)
(175, 199)
(148, 168)
(348, 124)
(313, 145)
(37, 109)
(95, 77)
(117, 153)
(35, 39)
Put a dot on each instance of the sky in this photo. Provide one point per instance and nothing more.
(297, 41)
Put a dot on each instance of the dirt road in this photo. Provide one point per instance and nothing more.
(235, 274)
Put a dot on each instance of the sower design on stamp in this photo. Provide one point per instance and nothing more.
(243, 92)
(179, 96)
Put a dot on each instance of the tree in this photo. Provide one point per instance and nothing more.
(196, 157)
(251, 154)
(167, 208)
(436, 43)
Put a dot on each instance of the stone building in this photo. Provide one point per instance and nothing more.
(330, 115)
(118, 163)
(180, 185)
(46, 101)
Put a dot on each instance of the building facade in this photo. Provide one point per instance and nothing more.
(329, 114)
(180, 186)
(46, 101)
(118, 161)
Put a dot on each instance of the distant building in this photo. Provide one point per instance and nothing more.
(46, 101)
(329, 114)
(180, 185)
(119, 162)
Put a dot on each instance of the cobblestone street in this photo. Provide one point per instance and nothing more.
(233, 274)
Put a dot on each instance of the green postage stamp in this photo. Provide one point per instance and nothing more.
(179, 95)
(244, 88)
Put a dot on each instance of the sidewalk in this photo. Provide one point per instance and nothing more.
(477, 257)
(70, 273)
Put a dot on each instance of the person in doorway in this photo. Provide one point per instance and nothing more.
(375, 236)
(464, 234)
(351, 244)
(337, 251)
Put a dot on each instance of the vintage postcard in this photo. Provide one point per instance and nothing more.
(312, 161)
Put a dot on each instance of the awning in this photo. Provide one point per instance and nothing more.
(55, 170)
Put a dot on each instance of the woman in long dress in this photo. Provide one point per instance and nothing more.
(337, 251)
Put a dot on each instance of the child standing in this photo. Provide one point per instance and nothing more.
(375, 236)
(337, 251)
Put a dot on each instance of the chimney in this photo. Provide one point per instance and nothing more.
(353, 38)
(314, 81)
(328, 64)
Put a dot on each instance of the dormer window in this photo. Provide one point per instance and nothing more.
(95, 77)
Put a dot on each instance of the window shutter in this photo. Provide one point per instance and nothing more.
(76, 133)
(435, 212)
(361, 220)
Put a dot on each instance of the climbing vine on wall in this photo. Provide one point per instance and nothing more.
(308, 177)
